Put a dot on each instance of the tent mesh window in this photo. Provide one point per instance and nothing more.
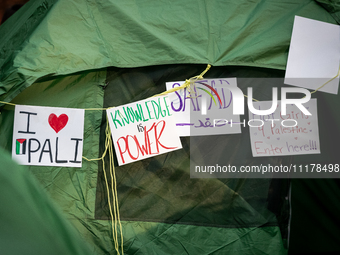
(159, 189)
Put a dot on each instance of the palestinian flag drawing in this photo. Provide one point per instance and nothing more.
(20, 147)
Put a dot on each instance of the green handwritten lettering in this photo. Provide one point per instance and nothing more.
(167, 107)
(157, 107)
(114, 119)
(147, 107)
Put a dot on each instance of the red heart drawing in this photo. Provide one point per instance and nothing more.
(295, 138)
(57, 123)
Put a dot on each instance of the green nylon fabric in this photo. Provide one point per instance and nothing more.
(333, 7)
(75, 193)
(152, 238)
(160, 188)
(49, 37)
(62, 47)
(29, 222)
(74, 189)
(315, 218)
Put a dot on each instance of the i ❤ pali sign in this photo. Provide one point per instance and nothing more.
(48, 136)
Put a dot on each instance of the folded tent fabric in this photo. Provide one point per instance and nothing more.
(30, 222)
(66, 53)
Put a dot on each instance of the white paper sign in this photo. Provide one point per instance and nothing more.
(280, 135)
(314, 55)
(189, 111)
(143, 129)
(48, 136)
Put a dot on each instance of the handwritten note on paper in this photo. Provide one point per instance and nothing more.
(314, 55)
(143, 129)
(201, 113)
(280, 135)
(48, 136)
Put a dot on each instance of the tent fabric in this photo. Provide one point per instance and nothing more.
(30, 222)
(51, 37)
(315, 210)
(333, 7)
(249, 226)
(94, 54)
(173, 196)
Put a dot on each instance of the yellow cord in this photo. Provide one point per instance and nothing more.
(7, 103)
(186, 84)
(327, 82)
(252, 98)
(115, 216)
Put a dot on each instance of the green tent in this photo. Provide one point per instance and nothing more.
(103, 53)
(30, 223)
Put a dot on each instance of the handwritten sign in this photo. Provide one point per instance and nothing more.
(314, 55)
(201, 113)
(48, 136)
(143, 129)
(280, 135)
